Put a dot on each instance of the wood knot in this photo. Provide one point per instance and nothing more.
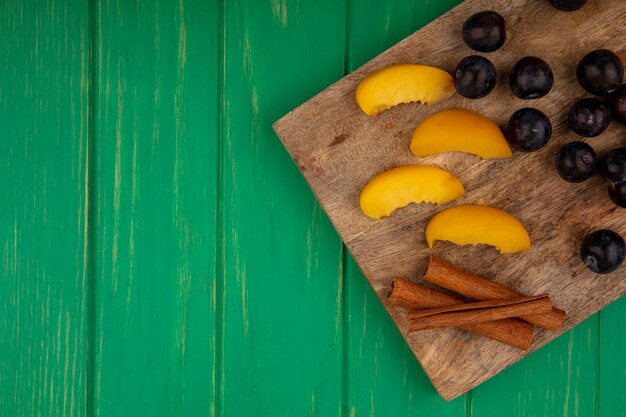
(338, 140)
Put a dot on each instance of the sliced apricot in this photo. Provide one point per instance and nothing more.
(459, 130)
(474, 224)
(403, 83)
(399, 187)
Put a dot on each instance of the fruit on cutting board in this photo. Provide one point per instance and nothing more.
(399, 187)
(618, 104)
(403, 83)
(484, 31)
(576, 162)
(531, 78)
(476, 224)
(459, 130)
(528, 130)
(613, 166)
(603, 251)
(617, 194)
(589, 117)
(568, 5)
(600, 72)
(475, 77)
(613, 169)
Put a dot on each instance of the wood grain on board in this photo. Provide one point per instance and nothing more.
(338, 149)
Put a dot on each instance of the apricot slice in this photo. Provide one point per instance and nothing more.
(459, 130)
(403, 83)
(474, 224)
(399, 187)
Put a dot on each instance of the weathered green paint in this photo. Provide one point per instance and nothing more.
(155, 195)
(558, 380)
(44, 270)
(281, 267)
(149, 207)
(611, 376)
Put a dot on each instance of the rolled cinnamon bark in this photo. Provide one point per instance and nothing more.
(410, 295)
(481, 311)
(462, 282)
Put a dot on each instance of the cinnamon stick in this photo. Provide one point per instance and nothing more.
(477, 312)
(462, 282)
(410, 295)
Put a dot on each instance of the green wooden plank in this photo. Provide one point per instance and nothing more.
(384, 377)
(558, 380)
(611, 385)
(156, 67)
(44, 276)
(282, 310)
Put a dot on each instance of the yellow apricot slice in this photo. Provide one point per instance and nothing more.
(459, 130)
(401, 186)
(473, 224)
(403, 83)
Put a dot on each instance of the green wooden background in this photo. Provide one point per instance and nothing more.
(161, 254)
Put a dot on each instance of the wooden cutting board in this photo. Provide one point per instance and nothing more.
(339, 149)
